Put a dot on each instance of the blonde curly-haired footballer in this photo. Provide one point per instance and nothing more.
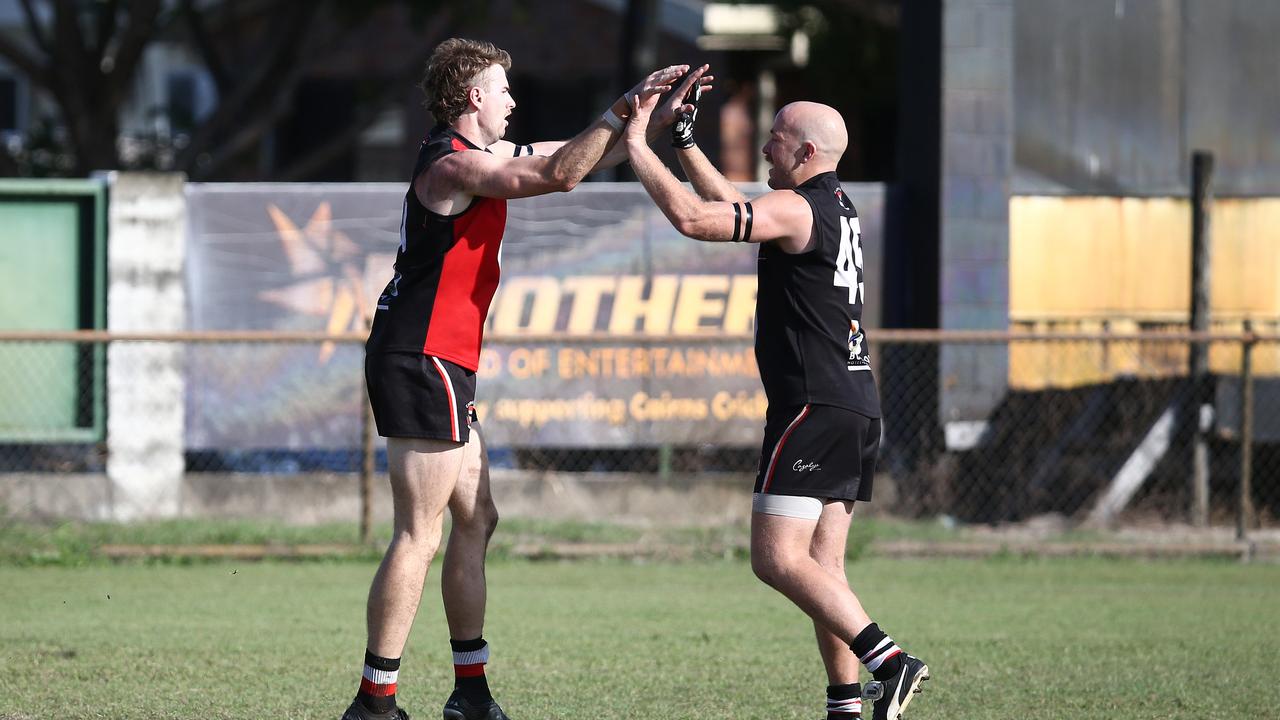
(450, 71)
(424, 347)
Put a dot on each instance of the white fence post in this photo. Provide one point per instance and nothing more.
(145, 386)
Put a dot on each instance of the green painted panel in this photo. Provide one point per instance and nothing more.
(39, 290)
(39, 265)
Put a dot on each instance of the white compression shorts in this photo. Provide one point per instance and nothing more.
(796, 506)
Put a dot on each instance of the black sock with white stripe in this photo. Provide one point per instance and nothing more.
(378, 683)
(878, 652)
(469, 659)
(844, 702)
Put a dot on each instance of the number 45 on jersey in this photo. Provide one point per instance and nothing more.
(849, 261)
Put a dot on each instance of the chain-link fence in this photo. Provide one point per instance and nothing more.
(980, 427)
(1100, 429)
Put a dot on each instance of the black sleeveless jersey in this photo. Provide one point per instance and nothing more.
(446, 271)
(810, 345)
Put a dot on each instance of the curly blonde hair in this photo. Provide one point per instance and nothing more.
(451, 72)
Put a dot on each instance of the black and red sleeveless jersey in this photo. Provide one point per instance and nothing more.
(810, 345)
(446, 271)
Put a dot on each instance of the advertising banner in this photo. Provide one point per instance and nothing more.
(609, 329)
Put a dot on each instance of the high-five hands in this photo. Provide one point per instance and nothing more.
(654, 85)
(681, 106)
(658, 81)
(685, 97)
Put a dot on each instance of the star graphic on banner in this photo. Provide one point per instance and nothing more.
(328, 282)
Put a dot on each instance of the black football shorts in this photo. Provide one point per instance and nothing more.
(819, 451)
(420, 396)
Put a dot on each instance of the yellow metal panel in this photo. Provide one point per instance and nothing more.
(1156, 237)
(1246, 257)
(1085, 264)
(1097, 257)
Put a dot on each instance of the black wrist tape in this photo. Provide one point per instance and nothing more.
(746, 232)
(737, 221)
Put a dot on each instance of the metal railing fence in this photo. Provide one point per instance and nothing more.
(982, 427)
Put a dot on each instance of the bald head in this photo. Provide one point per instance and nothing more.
(819, 124)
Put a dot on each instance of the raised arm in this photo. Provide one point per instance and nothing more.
(705, 178)
(675, 104)
(503, 175)
(780, 216)
(475, 172)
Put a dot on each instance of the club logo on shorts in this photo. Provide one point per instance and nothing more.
(471, 413)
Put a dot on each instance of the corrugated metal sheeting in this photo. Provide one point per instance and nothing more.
(1112, 96)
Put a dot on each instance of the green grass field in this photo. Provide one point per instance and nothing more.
(1006, 638)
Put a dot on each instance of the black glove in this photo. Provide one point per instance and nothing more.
(682, 128)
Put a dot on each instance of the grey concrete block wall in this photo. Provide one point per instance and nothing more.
(977, 102)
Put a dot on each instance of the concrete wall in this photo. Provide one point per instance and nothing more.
(145, 395)
(310, 498)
